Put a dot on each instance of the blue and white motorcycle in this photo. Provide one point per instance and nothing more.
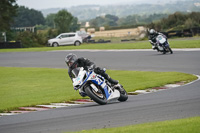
(96, 87)
(162, 45)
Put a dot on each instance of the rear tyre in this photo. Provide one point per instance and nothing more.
(98, 97)
(164, 52)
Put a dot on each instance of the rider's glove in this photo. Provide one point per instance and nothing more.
(90, 68)
(154, 44)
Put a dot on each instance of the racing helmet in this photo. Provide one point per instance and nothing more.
(70, 59)
(152, 31)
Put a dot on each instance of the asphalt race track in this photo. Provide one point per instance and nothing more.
(179, 102)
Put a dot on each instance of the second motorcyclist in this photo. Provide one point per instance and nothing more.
(152, 38)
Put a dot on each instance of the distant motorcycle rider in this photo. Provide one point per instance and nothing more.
(152, 38)
(73, 61)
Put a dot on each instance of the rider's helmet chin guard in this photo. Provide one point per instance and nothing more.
(70, 59)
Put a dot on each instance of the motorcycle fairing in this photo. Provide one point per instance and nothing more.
(161, 39)
(98, 80)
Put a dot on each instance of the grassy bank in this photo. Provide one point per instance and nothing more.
(174, 43)
(188, 125)
(32, 86)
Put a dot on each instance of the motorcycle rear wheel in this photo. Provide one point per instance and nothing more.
(98, 97)
(164, 52)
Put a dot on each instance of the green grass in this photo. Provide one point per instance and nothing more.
(174, 43)
(187, 125)
(185, 43)
(32, 86)
(134, 80)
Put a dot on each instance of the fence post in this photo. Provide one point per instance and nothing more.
(4, 34)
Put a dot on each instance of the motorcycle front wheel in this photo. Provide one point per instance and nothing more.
(170, 50)
(123, 94)
(98, 97)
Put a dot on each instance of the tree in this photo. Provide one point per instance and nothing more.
(97, 22)
(195, 16)
(111, 20)
(28, 17)
(112, 17)
(74, 24)
(178, 21)
(50, 20)
(63, 21)
(107, 20)
(189, 23)
(7, 12)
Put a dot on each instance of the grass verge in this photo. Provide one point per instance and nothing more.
(188, 125)
(174, 43)
(32, 86)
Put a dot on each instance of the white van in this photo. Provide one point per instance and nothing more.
(65, 39)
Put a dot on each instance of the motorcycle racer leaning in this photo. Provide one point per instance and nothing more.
(73, 61)
(152, 38)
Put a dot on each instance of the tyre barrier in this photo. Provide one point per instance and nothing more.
(10, 45)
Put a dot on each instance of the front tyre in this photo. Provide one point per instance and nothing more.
(77, 43)
(55, 44)
(123, 94)
(170, 50)
(98, 97)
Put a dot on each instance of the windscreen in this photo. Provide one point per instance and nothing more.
(75, 72)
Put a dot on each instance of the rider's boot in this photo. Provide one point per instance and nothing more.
(112, 81)
(153, 47)
(157, 49)
(106, 76)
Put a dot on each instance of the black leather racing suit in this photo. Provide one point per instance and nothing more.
(152, 38)
(81, 62)
(87, 64)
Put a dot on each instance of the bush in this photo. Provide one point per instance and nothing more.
(52, 33)
(178, 21)
(29, 39)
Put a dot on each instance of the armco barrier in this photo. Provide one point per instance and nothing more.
(183, 33)
(196, 30)
(10, 45)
